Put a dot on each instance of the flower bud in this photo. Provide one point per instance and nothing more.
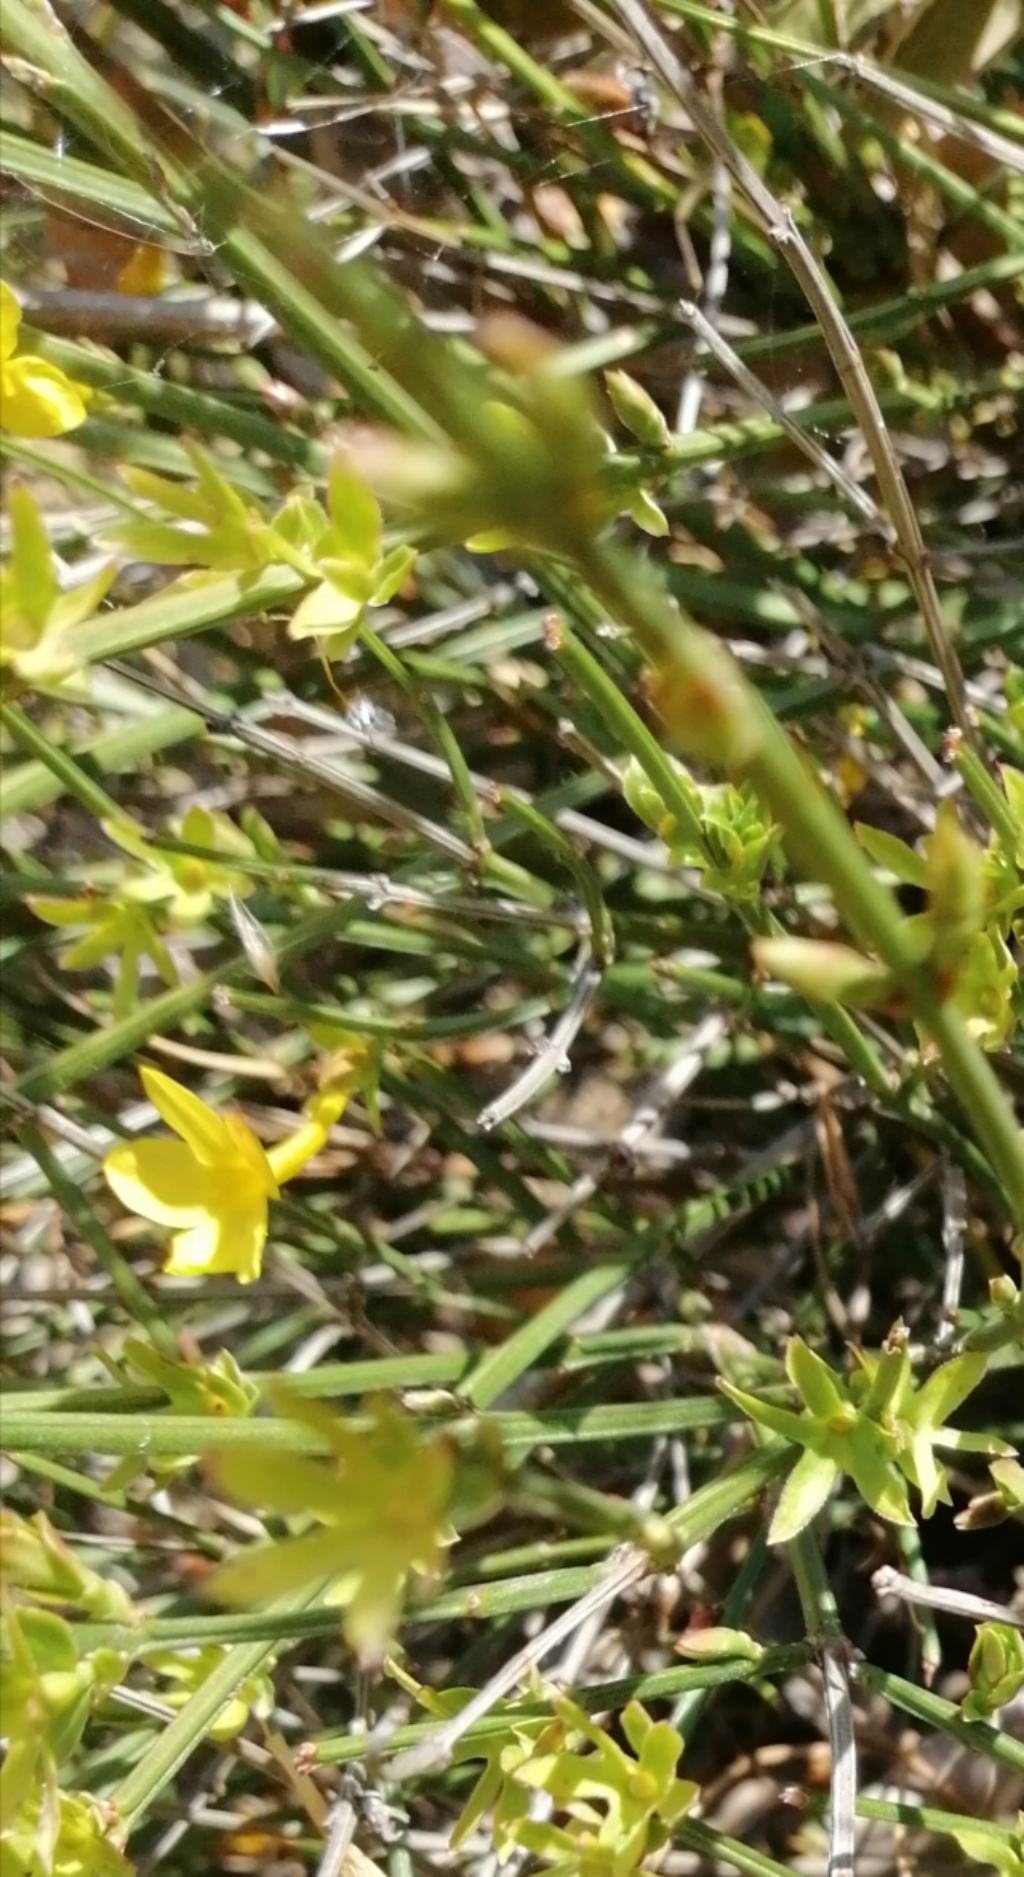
(820, 969)
(636, 410)
(996, 1669)
(994, 1508)
(704, 1644)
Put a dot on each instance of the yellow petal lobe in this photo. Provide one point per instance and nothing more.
(38, 399)
(10, 320)
(204, 1131)
(162, 1181)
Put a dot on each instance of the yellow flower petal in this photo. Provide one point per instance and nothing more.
(10, 320)
(38, 399)
(251, 1155)
(288, 1157)
(162, 1181)
(206, 1133)
(231, 1240)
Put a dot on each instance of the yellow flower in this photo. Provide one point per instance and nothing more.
(215, 1183)
(36, 399)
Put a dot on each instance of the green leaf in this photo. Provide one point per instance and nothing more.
(300, 522)
(892, 854)
(779, 1420)
(355, 516)
(803, 1495)
(391, 573)
(946, 1390)
(989, 1849)
(956, 892)
(157, 541)
(874, 1476)
(325, 610)
(352, 580)
(80, 602)
(645, 512)
(30, 570)
(263, 1571)
(177, 498)
(699, 1645)
(292, 1483)
(223, 502)
(986, 984)
(812, 1379)
(823, 970)
(1013, 785)
(917, 1459)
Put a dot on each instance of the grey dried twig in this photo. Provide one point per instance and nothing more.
(888, 1582)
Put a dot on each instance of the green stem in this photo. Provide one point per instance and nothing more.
(32, 785)
(944, 1715)
(719, 1848)
(68, 773)
(182, 406)
(930, 1818)
(990, 799)
(182, 1735)
(165, 1436)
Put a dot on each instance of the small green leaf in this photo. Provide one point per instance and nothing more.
(803, 1495)
(324, 610)
(391, 573)
(812, 1379)
(996, 1669)
(355, 582)
(645, 512)
(177, 498)
(956, 893)
(946, 1390)
(869, 1467)
(822, 970)
(158, 541)
(76, 604)
(777, 1419)
(892, 854)
(30, 570)
(355, 516)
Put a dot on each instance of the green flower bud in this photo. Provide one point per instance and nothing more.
(636, 410)
(825, 972)
(996, 1669)
(709, 1644)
